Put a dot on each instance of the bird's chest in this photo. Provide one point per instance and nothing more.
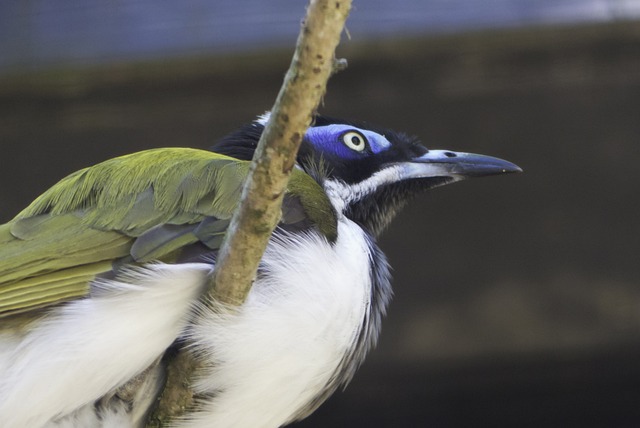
(303, 317)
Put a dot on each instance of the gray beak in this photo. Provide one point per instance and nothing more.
(462, 165)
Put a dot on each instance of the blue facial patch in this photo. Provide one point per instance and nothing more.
(330, 139)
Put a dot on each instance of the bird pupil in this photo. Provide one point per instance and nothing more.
(355, 140)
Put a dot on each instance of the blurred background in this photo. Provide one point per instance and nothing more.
(518, 297)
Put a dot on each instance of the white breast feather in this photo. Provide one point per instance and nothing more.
(88, 347)
(273, 356)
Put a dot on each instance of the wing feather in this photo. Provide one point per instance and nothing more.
(135, 208)
(91, 219)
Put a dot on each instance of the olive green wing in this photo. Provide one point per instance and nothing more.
(52, 261)
(117, 209)
(136, 208)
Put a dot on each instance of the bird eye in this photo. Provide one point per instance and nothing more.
(354, 140)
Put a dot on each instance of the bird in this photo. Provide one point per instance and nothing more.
(104, 275)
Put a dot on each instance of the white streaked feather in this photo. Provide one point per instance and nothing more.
(343, 194)
(115, 417)
(87, 347)
(263, 118)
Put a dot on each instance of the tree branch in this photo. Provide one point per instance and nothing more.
(260, 209)
(299, 97)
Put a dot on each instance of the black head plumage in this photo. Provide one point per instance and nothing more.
(368, 172)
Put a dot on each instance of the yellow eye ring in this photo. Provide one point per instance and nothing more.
(354, 140)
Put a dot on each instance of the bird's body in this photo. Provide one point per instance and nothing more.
(105, 272)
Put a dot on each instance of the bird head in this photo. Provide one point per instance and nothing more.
(369, 173)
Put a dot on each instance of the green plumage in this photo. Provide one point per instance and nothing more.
(141, 207)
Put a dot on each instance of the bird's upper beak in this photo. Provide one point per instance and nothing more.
(445, 163)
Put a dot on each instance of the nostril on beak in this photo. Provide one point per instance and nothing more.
(450, 154)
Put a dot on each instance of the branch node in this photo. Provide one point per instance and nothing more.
(339, 64)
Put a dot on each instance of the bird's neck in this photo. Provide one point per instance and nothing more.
(372, 210)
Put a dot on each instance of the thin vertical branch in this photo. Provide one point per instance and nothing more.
(259, 211)
(303, 88)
